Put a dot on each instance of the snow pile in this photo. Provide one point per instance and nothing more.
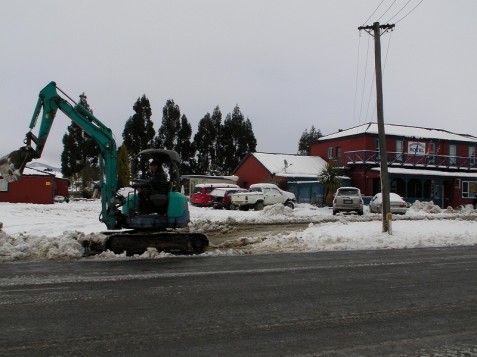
(23, 247)
(60, 231)
(369, 235)
(427, 207)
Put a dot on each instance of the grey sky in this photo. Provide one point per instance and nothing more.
(287, 64)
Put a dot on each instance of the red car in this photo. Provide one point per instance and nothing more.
(221, 197)
(201, 194)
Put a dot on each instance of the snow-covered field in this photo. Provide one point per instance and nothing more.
(34, 232)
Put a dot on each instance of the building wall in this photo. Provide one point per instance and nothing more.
(369, 182)
(251, 171)
(34, 189)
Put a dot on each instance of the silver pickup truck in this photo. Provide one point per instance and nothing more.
(260, 195)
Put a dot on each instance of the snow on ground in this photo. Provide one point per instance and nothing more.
(35, 232)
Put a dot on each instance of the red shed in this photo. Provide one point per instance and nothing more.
(35, 186)
(277, 168)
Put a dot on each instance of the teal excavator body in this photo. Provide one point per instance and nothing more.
(134, 228)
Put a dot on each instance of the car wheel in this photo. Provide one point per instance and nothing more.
(258, 206)
(335, 212)
(243, 208)
(360, 213)
(289, 204)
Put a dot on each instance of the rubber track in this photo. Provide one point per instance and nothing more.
(174, 242)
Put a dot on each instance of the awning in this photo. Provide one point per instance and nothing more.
(437, 173)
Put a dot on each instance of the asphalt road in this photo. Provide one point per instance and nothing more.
(419, 302)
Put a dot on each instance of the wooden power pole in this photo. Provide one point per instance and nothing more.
(376, 29)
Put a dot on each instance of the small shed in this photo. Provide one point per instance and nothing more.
(38, 185)
(189, 181)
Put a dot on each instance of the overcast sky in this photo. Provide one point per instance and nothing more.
(287, 64)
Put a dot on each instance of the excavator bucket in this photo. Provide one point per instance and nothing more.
(12, 165)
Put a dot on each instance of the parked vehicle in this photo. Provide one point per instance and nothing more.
(348, 199)
(201, 194)
(221, 197)
(260, 195)
(396, 204)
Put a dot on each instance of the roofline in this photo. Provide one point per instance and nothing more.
(323, 138)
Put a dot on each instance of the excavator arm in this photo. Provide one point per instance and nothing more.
(49, 102)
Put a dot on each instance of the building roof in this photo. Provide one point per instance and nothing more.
(291, 165)
(412, 132)
(39, 169)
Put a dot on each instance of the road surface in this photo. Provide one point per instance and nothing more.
(416, 302)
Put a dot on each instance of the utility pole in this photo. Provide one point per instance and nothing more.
(376, 29)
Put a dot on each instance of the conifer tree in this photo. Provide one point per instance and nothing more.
(204, 142)
(216, 134)
(185, 147)
(308, 138)
(79, 159)
(138, 134)
(168, 132)
(208, 146)
(124, 171)
(236, 141)
(175, 134)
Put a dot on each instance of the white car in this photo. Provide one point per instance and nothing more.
(260, 195)
(348, 199)
(396, 203)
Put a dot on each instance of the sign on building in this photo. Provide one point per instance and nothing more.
(416, 148)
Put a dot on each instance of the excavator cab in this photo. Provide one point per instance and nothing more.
(154, 209)
(155, 201)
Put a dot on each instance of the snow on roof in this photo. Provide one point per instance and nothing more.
(403, 131)
(291, 165)
(42, 169)
(414, 172)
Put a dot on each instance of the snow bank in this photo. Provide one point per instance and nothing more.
(33, 232)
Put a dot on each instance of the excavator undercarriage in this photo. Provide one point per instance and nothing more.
(137, 242)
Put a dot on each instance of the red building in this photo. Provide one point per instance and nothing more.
(280, 169)
(34, 187)
(424, 164)
(294, 173)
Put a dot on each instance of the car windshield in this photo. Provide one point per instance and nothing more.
(218, 192)
(348, 192)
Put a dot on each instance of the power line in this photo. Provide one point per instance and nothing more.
(397, 13)
(372, 86)
(373, 12)
(414, 8)
(364, 80)
(389, 8)
(356, 80)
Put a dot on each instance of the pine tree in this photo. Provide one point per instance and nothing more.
(308, 138)
(138, 134)
(185, 147)
(236, 141)
(167, 135)
(124, 172)
(216, 135)
(206, 144)
(175, 134)
(79, 159)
